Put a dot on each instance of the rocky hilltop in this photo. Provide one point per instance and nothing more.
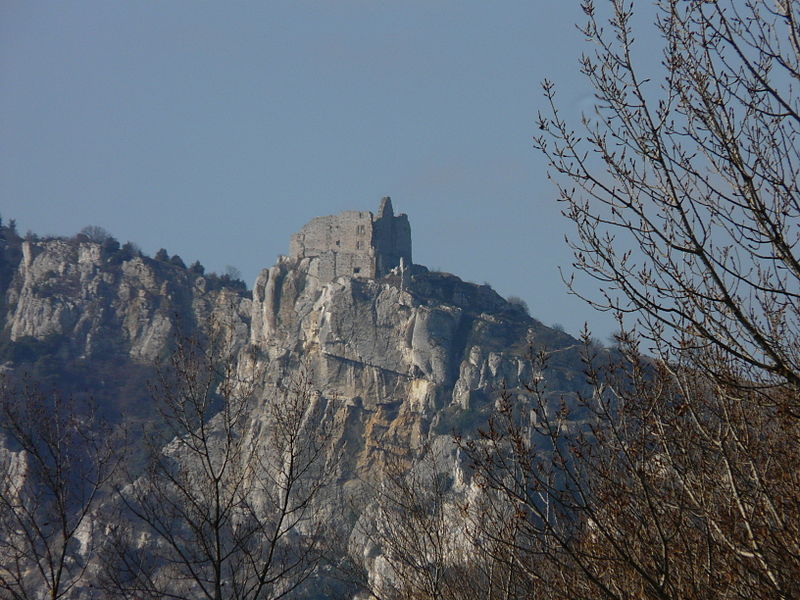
(406, 361)
(90, 318)
(408, 357)
(130, 305)
(400, 356)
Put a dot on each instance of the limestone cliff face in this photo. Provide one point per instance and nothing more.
(400, 362)
(405, 357)
(406, 362)
(402, 365)
(131, 306)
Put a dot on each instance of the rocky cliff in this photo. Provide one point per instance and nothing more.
(90, 319)
(403, 363)
(405, 360)
(130, 305)
(399, 363)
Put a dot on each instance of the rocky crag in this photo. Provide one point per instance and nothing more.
(404, 357)
(90, 318)
(101, 302)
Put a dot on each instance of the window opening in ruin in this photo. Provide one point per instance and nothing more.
(337, 242)
(358, 245)
(356, 270)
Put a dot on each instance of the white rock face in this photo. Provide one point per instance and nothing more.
(403, 366)
(68, 288)
(398, 367)
(397, 360)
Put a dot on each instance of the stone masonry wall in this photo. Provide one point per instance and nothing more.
(391, 239)
(354, 243)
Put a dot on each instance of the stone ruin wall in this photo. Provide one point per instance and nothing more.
(354, 243)
(392, 241)
(342, 244)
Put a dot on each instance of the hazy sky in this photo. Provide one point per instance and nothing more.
(218, 129)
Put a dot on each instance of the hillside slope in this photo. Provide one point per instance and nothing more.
(399, 363)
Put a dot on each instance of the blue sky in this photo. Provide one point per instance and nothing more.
(217, 129)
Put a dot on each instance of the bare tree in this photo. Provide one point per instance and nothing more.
(228, 508)
(652, 485)
(56, 462)
(672, 477)
(424, 533)
(95, 233)
(684, 183)
(411, 524)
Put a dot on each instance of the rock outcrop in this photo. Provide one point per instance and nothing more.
(103, 304)
(413, 350)
(400, 362)
(403, 364)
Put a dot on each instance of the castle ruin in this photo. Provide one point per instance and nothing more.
(355, 244)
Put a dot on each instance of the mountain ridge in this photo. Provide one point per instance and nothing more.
(400, 362)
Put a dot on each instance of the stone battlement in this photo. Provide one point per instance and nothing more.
(355, 244)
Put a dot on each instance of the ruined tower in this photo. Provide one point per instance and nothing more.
(354, 244)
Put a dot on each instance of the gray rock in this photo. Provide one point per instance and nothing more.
(398, 363)
(68, 288)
